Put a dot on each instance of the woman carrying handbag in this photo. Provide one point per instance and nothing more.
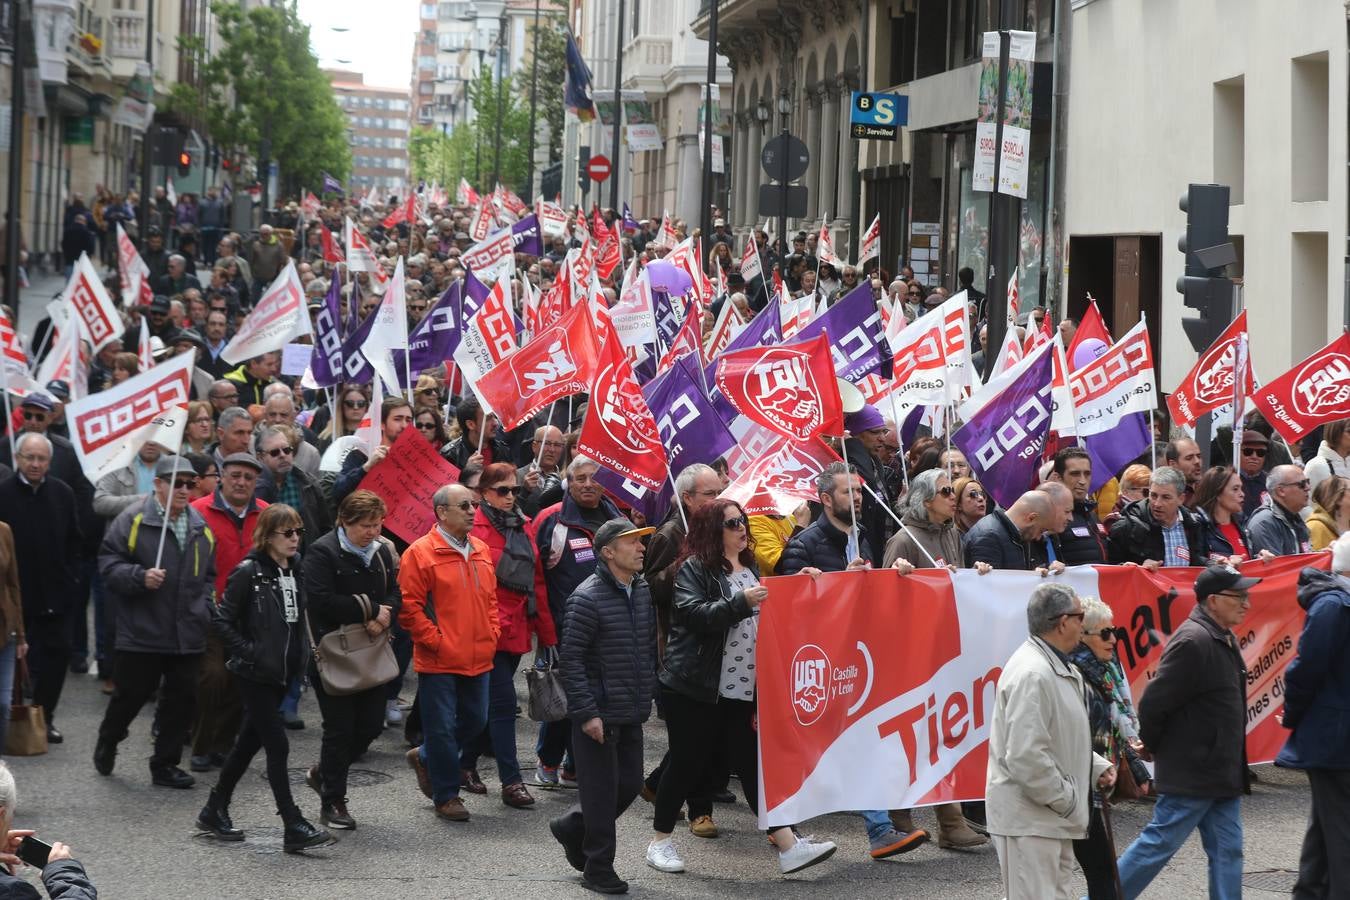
(351, 578)
(258, 621)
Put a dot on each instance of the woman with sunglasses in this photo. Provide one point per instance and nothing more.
(972, 503)
(1115, 736)
(928, 539)
(429, 425)
(522, 611)
(707, 684)
(258, 620)
(351, 410)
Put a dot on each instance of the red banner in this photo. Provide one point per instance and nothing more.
(1209, 383)
(405, 480)
(619, 431)
(1315, 391)
(558, 361)
(789, 388)
(876, 689)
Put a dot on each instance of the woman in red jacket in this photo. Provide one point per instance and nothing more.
(522, 609)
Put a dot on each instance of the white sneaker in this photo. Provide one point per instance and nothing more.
(663, 857)
(392, 714)
(804, 854)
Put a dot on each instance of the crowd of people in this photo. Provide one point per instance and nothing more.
(215, 568)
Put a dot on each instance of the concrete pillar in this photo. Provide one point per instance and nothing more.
(688, 178)
(829, 155)
(842, 89)
(812, 138)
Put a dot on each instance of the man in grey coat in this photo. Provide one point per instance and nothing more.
(158, 563)
(1277, 526)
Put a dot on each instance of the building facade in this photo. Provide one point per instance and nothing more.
(377, 124)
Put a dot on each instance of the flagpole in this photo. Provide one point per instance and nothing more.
(895, 417)
(895, 518)
(848, 477)
(164, 527)
(37, 354)
(670, 476)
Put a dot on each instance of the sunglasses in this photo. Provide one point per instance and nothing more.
(291, 532)
(946, 491)
(1301, 485)
(184, 484)
(503, 490)
(35, 417)
(1072, 615)
(280, 451)
(1253, 451)
(1106, 634)
(426, 426)
(429, 392)
(977, 495)
(355, 404)
(734, 524)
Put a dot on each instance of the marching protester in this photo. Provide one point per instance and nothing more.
(1218, 502)
(1160, 530)
(1197, 698)
(351, 579)
(258, 621)
(1042, 768)
(1315, 686)
(1278, 525)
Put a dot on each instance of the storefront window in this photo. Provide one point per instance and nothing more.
(972, 227)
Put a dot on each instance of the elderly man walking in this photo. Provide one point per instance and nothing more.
(1041, 764)
(1193, 720)
(450, 584)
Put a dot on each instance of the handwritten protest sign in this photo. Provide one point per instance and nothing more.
(405, 480)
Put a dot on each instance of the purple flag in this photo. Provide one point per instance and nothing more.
(691, 430)
(525, 236)
(1112, 450)
(629, 223)
(1003, 441)
(330, 185)
(353, 310)
(857, 338)
(356, 369)
(475, 292)
(435, 338)
(325, 363)
(668, 320)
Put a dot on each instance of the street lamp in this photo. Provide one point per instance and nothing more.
(784, 110)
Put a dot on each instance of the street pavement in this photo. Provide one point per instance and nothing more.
(138, 841)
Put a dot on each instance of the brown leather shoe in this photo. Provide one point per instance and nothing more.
(516, 796)
(423, 779)
(469, 780)
(453, 809)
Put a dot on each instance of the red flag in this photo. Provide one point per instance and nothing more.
(1091, 326)
(1209, 383)
(607, 253)
(781, 478)
(789, 388)
(620, 432)
(750, 264)
(331, 251)
(558, 361)
(1315, 391)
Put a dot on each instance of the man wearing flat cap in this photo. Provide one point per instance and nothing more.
(1193, 720)
(158, 565)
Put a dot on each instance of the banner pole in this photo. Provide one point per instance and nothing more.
(37, 354)
(895, 417)
(895, 518)
(848, 476)
(670, 476)
(1152, 439)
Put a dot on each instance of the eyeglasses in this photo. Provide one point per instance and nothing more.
(1240, 598)
(1301, 485)
(212, 474)
(291, 532)
(914, 294)
(502, 490)
(426, 426)
(976, 495)
(734, 524)
(184, 484)
(946, 491)
(1106, 634)
(280, 451)
(1253, 451)
(429, 392)
(234, 396)
(422, 307)
(355, 404)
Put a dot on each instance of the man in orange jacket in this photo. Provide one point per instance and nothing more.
(450, 586)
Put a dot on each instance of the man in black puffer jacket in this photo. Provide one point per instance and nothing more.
(824, 544)
(1159, 530)
(608, 665)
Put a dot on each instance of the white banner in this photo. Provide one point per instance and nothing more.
(390, 331)
(109, 428)
(490, 257)
(280, 317)
(1117, 383)
(93, 307)
(488, 337)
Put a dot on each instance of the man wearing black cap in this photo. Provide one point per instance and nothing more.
(1197, 700)
(155, 256)
(608, 662)
(158, 565)
(157, 322)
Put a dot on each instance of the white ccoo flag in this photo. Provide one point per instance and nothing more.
(390, 331)
(280, 317)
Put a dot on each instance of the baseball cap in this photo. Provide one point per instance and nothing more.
(1217, 579)
(59, 389)
(241, 459)
(159, 304)
(617, 528)
(169, 466)
(39, 401)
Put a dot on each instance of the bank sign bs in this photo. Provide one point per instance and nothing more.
(877, 116)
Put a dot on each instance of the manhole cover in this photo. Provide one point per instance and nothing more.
(355, 777)
(1279, 881)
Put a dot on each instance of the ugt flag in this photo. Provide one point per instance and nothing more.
(1313, 392)
(789, 388)
(619, 431)
(1004, 437)
(1209, 384)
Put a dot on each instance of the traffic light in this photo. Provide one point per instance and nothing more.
(184, 163)
(583, 177)
(1207, 252)
(166, 145)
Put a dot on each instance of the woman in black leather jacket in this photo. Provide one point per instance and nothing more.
(258, 621)
(707, 683)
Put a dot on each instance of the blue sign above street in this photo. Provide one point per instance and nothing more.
(877, 116)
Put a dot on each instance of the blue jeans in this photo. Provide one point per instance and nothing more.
(454, 711)
(878, 822)
(554, 746)
(1174, 818)
(290, 703)
(8, 660)
(501, 722)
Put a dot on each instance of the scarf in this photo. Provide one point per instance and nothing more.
(515, 567)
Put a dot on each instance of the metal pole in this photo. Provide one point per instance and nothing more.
(15, 191)
(996, 297)
(148, 141)
(782, 202)
(855, 214)
(705, 218)
(534, 104)
(501, 103)
(618, 110)
(478, 131)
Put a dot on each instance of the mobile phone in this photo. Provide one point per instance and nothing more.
(34, 852)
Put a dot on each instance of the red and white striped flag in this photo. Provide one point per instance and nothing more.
(751, 268)
(871, 241)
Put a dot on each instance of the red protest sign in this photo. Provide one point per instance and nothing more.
(405, 480)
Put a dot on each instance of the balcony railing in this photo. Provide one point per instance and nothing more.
(126, 34)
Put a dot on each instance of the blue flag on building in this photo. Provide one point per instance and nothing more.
(577, 84)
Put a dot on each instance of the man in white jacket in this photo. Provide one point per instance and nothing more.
(1041, 764)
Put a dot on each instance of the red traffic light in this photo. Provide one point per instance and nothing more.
(185, 159)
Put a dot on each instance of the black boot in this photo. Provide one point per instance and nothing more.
(214, 819)
(105, 755)
(301, 835)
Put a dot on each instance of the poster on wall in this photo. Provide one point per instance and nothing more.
(1012, 176)
(639, 123)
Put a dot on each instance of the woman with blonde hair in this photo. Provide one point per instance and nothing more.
(201, 427)
(1330, 513)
